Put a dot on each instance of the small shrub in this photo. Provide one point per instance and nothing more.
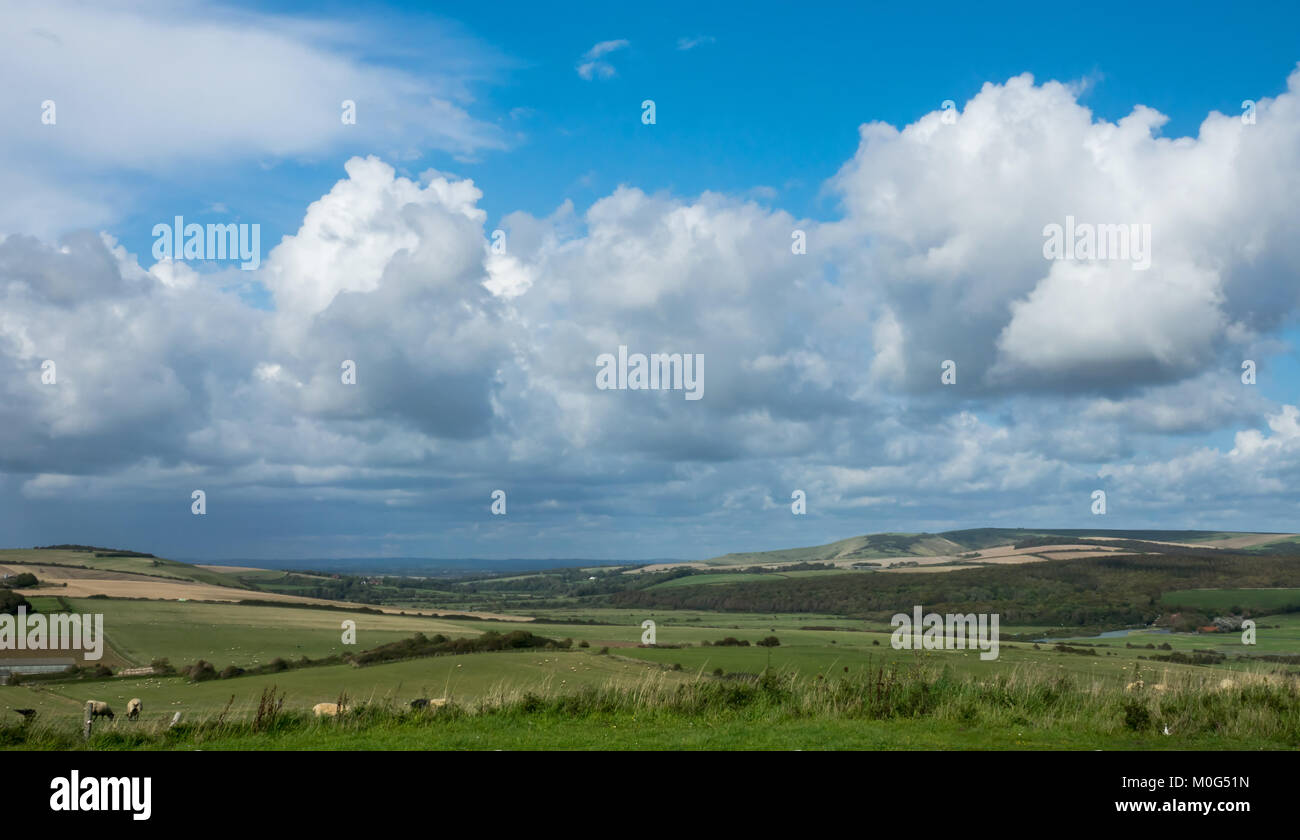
(199, 671)
(1137, 716)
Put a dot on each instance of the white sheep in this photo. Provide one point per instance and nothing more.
(98, 708)
(133, 708)
(326, 709)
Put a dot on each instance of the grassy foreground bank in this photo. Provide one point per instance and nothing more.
(883, 707)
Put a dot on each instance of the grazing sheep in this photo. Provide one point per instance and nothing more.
(133, 708)
(98, 708)
(425, 702)
(326, 709)
(1226, 684)
(176, 718)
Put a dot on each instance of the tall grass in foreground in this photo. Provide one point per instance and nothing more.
(1250, 707)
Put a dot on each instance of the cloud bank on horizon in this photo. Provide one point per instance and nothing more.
(475, 352)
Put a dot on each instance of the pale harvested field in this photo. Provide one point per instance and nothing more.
(82, 583)
(997, 555)
(62, 573)
(660, 567)
(937, 564)
(1010, 551)
(1248, 540)
(931, 567)
(1243, 541)
(1001, 555)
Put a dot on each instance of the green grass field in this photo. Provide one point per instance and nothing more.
(630, 732)
(703, 618)
(248, 636)
(44, 603)
(920, 706)
(234, 634)
(607, 660)
(1275, 634)
(1225, 599)
(469, 677)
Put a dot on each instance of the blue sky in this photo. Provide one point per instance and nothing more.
(781, 91)
(476, 369)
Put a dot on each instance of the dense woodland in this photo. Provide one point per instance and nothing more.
(1118, 590)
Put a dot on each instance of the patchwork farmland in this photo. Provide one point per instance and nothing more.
(211, 643)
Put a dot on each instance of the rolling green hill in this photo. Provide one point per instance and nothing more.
(106, 561)
(867, 547)
(878, 546)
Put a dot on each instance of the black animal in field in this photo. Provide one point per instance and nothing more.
(426, 703)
